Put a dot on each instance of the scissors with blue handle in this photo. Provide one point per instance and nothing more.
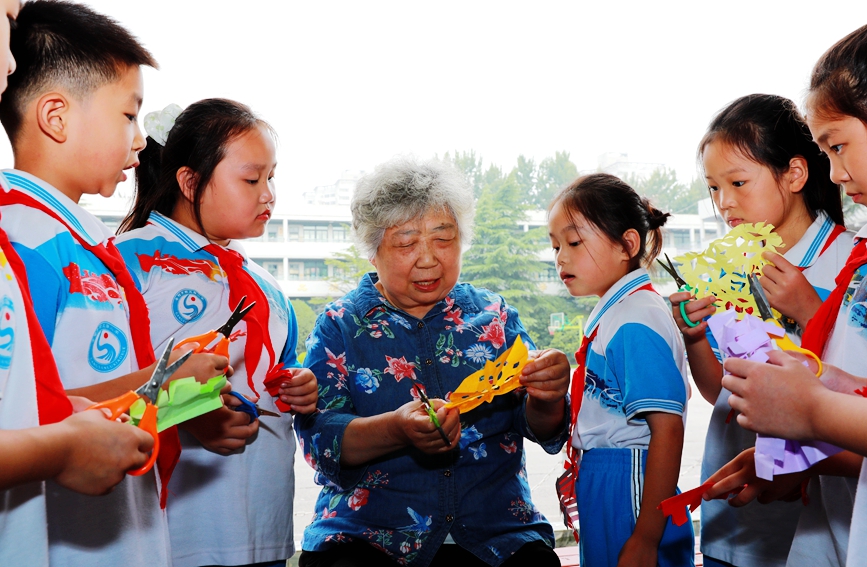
(148, 392)
(251, 409)
(683, 287)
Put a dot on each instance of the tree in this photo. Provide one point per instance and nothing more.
(470, 166)
(667, 193)
(305, 318)
(348, 268)
(552, 175)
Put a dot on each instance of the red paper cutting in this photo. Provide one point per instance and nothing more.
(676, 505)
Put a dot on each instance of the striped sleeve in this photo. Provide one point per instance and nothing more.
(646, 372)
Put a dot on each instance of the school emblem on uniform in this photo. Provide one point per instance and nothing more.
(108, 348)
(188, 305)
(7, 332)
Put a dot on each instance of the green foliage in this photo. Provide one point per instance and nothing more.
(349, 267)
(470, 166)
(552, 175)
(305, 318)
(667, 193)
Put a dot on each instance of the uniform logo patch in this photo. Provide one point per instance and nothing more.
(7, 332)
(108, 348)
(188, 305)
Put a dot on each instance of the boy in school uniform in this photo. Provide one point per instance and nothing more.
(71, 114)
(83, 452)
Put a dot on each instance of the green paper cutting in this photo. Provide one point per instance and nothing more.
(185, 399)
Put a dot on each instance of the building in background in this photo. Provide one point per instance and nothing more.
(296, 244)
(339, 193)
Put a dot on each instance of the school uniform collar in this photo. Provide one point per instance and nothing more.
(617, 293)
(861, 234)
(368, 298)
(806, 251)
(188, 238)
(83, 223)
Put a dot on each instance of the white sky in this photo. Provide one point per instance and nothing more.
(349, 84)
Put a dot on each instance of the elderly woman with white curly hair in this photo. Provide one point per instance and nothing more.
(397, 489)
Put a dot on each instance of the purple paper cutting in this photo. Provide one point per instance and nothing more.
(752, 339)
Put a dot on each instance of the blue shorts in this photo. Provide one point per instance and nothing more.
(609, 488)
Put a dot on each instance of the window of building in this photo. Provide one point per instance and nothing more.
(294, 271)
(340, 232)
(315, 270)
(274, 266)
(309, 233)
(321, 234)
(294, 232)
(275, 231)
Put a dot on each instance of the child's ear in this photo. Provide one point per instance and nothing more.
(187, 180)
(796, 176)
(51, 116)
(631, 242)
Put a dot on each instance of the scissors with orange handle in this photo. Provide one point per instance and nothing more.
(147, 391)
(222, 347)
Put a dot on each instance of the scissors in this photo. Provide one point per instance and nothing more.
(251, 409)
(147, 391)
(431, 413)
(683, 287)
(784, 342)
(222, 347)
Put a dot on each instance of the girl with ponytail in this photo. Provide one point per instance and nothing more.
(206, 182)
(631, 377)
(762, 165)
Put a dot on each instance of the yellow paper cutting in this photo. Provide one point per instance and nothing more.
(496, 378)
(723, 268)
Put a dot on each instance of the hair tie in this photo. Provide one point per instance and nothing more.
(158, 124)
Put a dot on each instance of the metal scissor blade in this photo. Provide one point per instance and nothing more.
(761, 299)
(151, 388)
(672, 271)
(237, 314)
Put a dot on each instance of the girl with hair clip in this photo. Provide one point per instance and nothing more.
(631, 376)
(783, 398)
(205, 182)
(761, 165)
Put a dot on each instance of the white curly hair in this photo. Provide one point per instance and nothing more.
(403, 189)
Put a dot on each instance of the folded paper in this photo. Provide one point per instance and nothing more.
(185, 399)
(676, 505)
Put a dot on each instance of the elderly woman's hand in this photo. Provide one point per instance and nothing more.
(415, 426)
(546, 377)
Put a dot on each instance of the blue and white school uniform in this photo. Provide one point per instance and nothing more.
(223, 510)
(23, 523)
(761, 536)
(85, 318)
(636, 364)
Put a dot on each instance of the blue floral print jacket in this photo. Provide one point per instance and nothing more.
(363, 351)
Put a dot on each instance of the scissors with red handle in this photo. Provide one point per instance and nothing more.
(148, 392)
(222, 347)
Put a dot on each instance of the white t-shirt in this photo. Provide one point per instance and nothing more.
(85, 319)
(223, 510)
(23, 523)
(761, 535)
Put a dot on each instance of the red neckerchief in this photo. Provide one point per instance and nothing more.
(566, 482)
(139, 321)
(241, 283)
(819, 328)
(51, 400)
